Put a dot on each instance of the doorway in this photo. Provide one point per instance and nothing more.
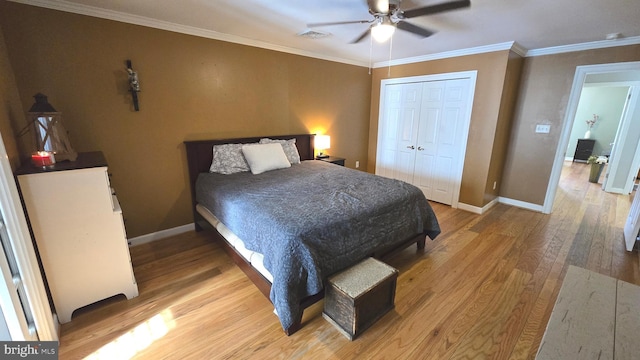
(618, 69)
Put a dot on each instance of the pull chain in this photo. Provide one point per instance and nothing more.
(390, 47)
(370, 52)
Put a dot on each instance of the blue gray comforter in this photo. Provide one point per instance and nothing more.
(312, 220)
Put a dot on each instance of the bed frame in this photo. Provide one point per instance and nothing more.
(199, 157)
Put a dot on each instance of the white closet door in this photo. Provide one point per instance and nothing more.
(427, 140)
(398, 133)
(439, 143)
(408, 131)
(423, 130)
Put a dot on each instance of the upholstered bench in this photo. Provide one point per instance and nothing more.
(357, 297)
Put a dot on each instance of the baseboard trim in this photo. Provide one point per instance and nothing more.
(477, 210)
(143, 239)
(520, 204)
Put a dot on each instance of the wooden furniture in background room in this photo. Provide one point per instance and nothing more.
(584, 149)
(77, 223)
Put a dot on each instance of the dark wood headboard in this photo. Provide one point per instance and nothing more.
(200, 154)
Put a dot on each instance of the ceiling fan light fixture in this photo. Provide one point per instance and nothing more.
(383, 31)
(382, 6)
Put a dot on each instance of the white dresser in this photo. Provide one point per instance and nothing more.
(77, 224)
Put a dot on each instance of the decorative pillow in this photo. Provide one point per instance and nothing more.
(228, 159)
(265, 157)
(289, 147)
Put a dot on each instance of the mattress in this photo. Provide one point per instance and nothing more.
(252, 257)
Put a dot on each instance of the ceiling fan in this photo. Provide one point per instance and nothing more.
(387, 16)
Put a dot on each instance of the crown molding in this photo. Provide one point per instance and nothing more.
(519, 49)
(584, 46)
(448, 54)
(93, 11)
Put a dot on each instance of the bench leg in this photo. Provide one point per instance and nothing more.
(421, 243)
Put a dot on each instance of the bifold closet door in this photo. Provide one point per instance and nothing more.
(399, 131)
(439, 150)
(422, 134)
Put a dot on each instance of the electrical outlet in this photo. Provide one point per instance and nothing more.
(357, 164)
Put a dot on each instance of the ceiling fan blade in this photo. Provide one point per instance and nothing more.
(339, 23)
(434, 9)
(378, 6)
(420, 31)
(361, 37)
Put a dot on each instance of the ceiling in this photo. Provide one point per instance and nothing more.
(531, 24)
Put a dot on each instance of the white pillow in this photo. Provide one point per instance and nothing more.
(289, 147)
(265, 157)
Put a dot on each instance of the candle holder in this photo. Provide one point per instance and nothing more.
(50, 134)
(43, 158)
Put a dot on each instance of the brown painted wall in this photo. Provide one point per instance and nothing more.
(192, 88)
(503, 127)
(11, 115)
(491, 69)
(544, 95)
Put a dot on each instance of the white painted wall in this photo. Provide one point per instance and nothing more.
(605, 101)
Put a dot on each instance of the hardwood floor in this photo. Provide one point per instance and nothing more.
(483, 289)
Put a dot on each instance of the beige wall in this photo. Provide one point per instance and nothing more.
(196, 88)
(503, 127)
(543, 99)
(490, 82)
(11, 114)
(192, 88)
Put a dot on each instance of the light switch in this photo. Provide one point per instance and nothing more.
(543, 129)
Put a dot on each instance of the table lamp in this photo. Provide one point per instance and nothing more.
(322, 143)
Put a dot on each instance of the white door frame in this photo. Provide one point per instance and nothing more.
(25, 256)
(570, 114)
(619, 144)
(472, 76)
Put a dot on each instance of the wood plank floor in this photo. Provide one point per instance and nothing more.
(483, 289)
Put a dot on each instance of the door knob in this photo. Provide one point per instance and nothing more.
(420, 148)
(411, 147)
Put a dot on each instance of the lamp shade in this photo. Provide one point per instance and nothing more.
(322, 142)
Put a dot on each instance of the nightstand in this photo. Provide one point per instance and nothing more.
(584, 149)
(333, 160)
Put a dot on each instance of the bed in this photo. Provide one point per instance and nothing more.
(292, 227)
